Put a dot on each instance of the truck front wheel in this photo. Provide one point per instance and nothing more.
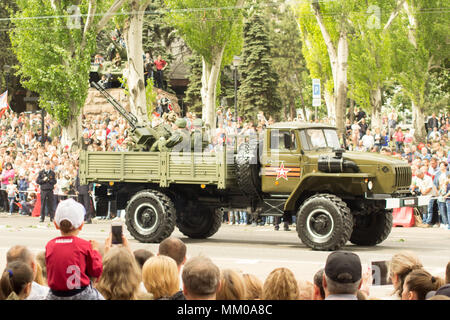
(200, 222)
(324, 222)
(373, 228)
(150, 216)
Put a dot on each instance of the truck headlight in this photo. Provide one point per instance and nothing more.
(370, 185)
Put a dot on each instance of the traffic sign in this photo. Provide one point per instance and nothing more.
(317, 102)
(316, 89)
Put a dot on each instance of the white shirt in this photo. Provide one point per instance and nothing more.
(38, 292)
(424, 184)
(368, 141)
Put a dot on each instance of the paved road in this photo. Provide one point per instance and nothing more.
(256, 250)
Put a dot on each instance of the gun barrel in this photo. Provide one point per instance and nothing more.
(131, 118)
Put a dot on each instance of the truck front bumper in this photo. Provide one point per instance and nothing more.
(400, 202)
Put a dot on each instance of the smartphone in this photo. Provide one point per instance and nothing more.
(380, 273)
(116, 231)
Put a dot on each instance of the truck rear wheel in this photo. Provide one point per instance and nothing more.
(373, 228)
(150, 216)
(324, 222)
(199, 223)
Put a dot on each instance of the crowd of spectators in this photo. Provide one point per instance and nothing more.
(428, 159)
(23, 150)
(78, 269)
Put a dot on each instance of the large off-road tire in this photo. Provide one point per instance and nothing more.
(372, 229)
(199, 223)
(248, 169)
(150, 216)
(324, 222)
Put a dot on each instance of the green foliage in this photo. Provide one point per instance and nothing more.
(370, 50)
(288, 60)
(157, 35)
(414, 62)
(7, 57)
(53, 61)
(208, 29)
(314, 49)
(258, 90)
(193, 96)
(123, 81)
(150, 97)
(226, 91)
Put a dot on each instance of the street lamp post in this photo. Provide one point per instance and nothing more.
(236, 61)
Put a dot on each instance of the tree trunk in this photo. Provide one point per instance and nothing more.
(375, 101)
(330, 103)
(210, 76)
(133, 39)
(341, 83)
(418, 122)
(351, 110)
(339, 64)
(70, 135)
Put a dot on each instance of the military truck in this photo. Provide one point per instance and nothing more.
(292, 169)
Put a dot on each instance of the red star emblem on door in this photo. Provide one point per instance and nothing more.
(282, 172)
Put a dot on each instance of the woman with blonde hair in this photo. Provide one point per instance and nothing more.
(121, 275)
(253, 287)
(280, 284)
(418, 283)
(400, 266)
(232, 286)
(160, 277)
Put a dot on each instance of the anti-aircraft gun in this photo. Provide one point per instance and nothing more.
(142, 134)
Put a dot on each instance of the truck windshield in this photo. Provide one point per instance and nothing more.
(312, 139)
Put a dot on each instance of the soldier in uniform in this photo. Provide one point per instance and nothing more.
(180, 139)
(199, 139)
(164, 131)
(165, 143)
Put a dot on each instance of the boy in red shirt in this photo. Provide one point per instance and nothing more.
(71, 260)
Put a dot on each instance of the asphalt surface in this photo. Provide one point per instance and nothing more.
(257, 250)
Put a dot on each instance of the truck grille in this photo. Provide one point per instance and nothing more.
(403, 177)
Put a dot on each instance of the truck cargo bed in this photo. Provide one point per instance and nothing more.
(162, 168)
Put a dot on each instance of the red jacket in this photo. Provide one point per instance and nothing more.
(160, 64)
(70, 262)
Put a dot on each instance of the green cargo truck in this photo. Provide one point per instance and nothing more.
(292, 169)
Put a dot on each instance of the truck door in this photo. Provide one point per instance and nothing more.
(281, 161)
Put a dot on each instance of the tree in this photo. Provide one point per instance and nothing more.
(193, 95)
(423, 49)
(258, 90)
(7, 57)
(287, 58)
(371, 48)
(55, 53)
(133, 39)
(316, 55)
(213, 30)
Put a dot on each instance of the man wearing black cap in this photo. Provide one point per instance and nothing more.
(342, 276)
(47, 180)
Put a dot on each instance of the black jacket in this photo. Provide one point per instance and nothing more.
(47, 181)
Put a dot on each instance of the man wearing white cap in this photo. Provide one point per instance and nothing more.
(71, 260)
